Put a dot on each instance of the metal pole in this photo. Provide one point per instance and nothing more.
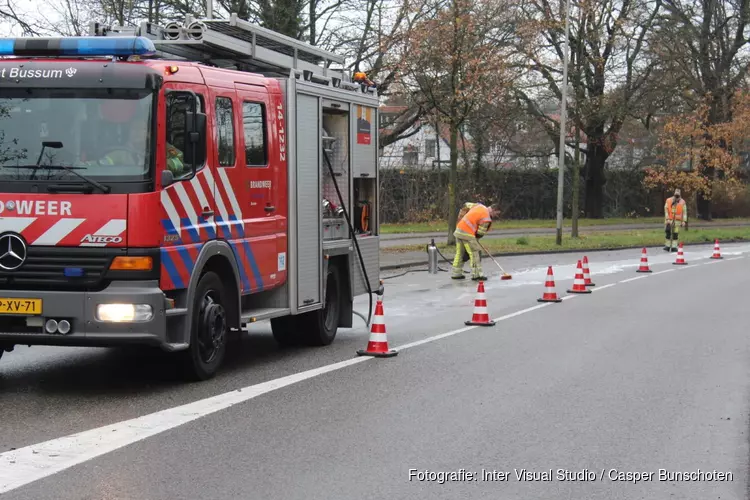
(561, 159)
(210, 9)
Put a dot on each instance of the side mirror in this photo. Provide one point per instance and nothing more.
(195, 150)
(167, 178)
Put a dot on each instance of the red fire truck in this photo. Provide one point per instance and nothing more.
(169, 186)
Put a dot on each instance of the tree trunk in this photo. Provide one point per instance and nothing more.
(596, 156)
(576, 185)
(452, 184)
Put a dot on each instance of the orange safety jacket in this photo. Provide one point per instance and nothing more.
(476, 222)
(680, 210)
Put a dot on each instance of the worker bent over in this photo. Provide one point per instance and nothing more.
(675, 217)
(470, 228)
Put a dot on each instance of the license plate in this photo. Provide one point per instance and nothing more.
(26, 307)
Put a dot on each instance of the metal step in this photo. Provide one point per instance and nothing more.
(255, 315)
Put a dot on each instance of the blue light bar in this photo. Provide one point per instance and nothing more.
(77, 46)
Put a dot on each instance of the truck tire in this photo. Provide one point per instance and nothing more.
(316, 328)
(321, 325)
(209, 332)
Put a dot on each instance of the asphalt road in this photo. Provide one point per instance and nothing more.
(403, 239)
(648, 372)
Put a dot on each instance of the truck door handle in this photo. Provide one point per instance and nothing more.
(269, 208)
(207, 213)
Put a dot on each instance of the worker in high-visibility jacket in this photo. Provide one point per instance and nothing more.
(675, 217)
(470, 228)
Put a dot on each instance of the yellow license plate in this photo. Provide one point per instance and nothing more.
(26, 307)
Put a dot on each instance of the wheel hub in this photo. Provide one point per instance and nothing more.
(212, 329)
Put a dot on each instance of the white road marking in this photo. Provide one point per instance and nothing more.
(633, 279)
(603, 287)
(737, 258)
(32, 463)
(711, 262)
(35, 462)
(662, 272)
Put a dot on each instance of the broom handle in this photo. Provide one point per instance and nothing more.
(491, 257)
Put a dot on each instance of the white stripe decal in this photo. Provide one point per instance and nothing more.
(217, 196)
(58, 231)
(186, 205)
(198, 188)
(170, 210)
(115, 227)
(15, 224)
(230, 193)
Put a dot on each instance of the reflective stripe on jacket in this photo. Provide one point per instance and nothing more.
(680, 210)
(476, 221)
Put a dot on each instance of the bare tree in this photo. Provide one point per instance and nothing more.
(609, 65)
(702, 43)
(457, 59)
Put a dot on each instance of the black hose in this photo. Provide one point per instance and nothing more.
(351, 232)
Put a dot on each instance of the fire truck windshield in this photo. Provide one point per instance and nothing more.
(101, 134)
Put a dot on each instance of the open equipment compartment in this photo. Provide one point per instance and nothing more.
(335, 140)
(365, 200)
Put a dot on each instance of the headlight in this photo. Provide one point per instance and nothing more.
(124, 313)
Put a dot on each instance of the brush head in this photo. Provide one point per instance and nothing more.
(506, 277)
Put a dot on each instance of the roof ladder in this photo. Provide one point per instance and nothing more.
(238, 44)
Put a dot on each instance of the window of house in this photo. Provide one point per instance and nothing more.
(410, 155)
(225, 127)
(254, 126)
(430, 147)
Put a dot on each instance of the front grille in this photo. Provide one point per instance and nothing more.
(44, 269)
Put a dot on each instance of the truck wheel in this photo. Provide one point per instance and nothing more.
(323, 323)
(208, 338)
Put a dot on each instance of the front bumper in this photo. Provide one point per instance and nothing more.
(79, 308)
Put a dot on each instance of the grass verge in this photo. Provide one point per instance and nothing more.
(592, 241)
(441, 226)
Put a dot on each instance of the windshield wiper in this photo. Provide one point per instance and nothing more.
(103, 187)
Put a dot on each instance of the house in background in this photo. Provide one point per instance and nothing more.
(421, 148)
(520, 144)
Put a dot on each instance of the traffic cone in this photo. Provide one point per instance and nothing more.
(717, 252)
(644, 263)
(586, 274)
(480, 317)
(378, 343)
(680, 257)
(550, 295)
(578, 284)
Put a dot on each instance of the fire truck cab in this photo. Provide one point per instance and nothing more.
(169, 186)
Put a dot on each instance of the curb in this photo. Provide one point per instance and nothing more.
(402, 265)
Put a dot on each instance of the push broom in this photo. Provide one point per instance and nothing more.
(505, 276)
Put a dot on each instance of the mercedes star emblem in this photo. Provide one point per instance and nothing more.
(12, 252)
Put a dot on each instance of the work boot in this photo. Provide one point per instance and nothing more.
(461, 277)
(479, 278)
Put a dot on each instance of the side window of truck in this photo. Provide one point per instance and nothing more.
(178, 105)
(254, 125)
(225, 126)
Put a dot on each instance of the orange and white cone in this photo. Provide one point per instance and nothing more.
(578, 284)
(680, 257)
(586, 274)
(717, 251)
(378, 343)
(550, 295)
(644, 263)
(480, 317)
